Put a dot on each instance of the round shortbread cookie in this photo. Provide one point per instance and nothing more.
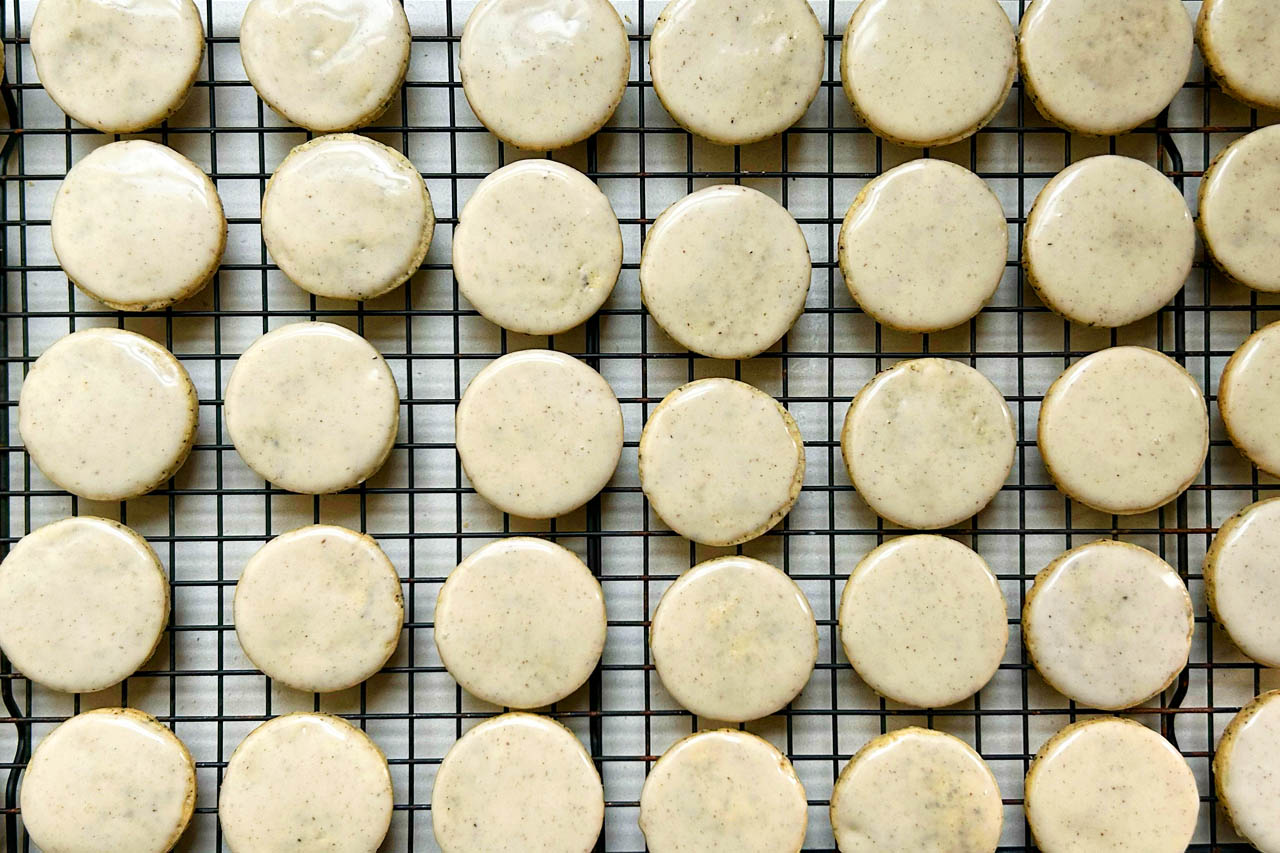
(107, 414)
(1244, 769)
(1124, 430)
(1242, 580)
(723, 790)
(520, 623)
(721, 462)
(1248, 398)
(112, 780)
(544, 75)
(539, 433)
(1099, 67)
(117, 67)
(1110, 785)
(305, 781)
(928, 72)
(1240, 210)
(915, 790)
(928, 443)
(520, 783)
(326, 66)
(736, 71)
(923, 622)
(347, 217)
(1108, 624)
(1238, 39)
(537, 248)
(734, 639)
(88, 600)
(319, 608)
(725, 271)
(924, 246)
(1108, 241)
(312, 408)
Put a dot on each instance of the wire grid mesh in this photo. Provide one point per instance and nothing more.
(215, 513)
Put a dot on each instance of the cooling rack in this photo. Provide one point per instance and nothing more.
(215, 513)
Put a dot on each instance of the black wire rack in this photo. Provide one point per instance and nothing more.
(206, 521)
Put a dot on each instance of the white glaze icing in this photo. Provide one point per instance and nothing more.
(928, 443)
(312, 408)
(87, 601)
(1100, 67)
(1108, 241)
(117, 65)
(923, 621)
(518, 783)
(107, 414)
(543, 74)
(319, 608)
(1245, 770)
(1108, 785)
(539, 433)
(1124, 430)
(1242, 580)
(723, 790)
(720, 461)
(305, 782)
(347, 217)
(112, 780)
(928, 72)
(1240, 210)
(725, 271)
(520, 623)
(1108, 624)
(537, 248)
(736, 71)
(325, 65)
(916, 791)
(734, 639)
(1249, 398)
(924, 246)
(1238, 39)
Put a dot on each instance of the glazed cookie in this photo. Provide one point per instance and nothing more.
(544, 75)
(928, 443)
(1099, 67)
(1248, 400)
(312, 408)
(108, 779)
(1124, 430)
(1245, 771)
(537, 248)
(1108, 624)
(137, 226)
(306, 781)
(1242, 580)
(107, 414)
(922, 621)
(517, 782)
(721, 462)
(734, 639)
(1239, 211)
(88, 600)
(916, 791)
(325, 66)
(925, 73)
(923, 246)
(520, 623)
(539, 433)
(1108, 785)
(736, 71)
(1108, 241)
(319, 608)
(1238, 38)
(723, 790)
(77, 46)
(725, 271)
(346, 217)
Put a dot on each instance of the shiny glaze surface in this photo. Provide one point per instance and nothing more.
(1240, 210)
(1247, 778)
(1242, 580)
(1238, 39)
(1249, 398)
